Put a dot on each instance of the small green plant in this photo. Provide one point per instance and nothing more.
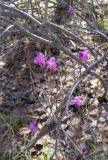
(46, 154)
(18, 101)
(92, 147)
(18, 123)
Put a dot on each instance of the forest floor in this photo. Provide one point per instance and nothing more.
(26, 92)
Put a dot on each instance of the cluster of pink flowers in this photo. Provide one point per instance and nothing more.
(50, 63)
(76, 101)
(84, 55)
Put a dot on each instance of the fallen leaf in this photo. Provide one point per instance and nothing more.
(94, 82)
(94, 112)
(24, 131)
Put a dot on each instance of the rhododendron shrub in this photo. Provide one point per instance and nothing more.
(64, 79)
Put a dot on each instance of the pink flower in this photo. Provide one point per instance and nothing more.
(33, 126)
(84, 149)
(51, 64)
(40, 59)
(76, 101)
(84, 55)
(70, 9)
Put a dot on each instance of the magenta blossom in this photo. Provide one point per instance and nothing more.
(40, 59)
(33, 126)
(52, 64)
(76, 101)
(84, 149)
(70, 9)
(84, 55)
